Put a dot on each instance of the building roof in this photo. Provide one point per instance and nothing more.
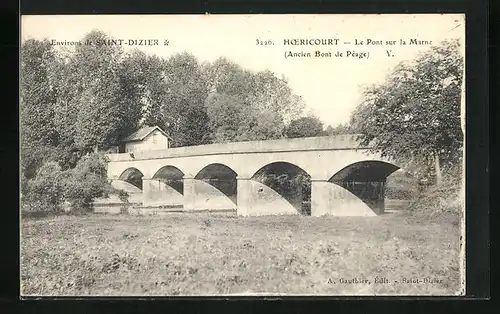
(140, 134)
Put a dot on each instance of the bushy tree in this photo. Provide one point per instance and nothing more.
(134, 73)
(38, 133)
(107, 110)
(244, 105)
(305, 127)
(227, 115)
(193, 125)
(37, 94)
(69, 87)
(155, 109)
(231, 119)
(44, 192)
(86, 182)
(414, 116)
(267, 125)
(183, 105)
(269, 93)
(226, 77)
(51, 186)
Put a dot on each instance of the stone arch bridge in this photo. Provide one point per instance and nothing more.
(344, 178)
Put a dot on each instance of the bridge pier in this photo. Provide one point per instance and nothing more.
(189, 194)
(200, 196)
(329, 198)
(257, 199)
(155, 192)
(243, 196)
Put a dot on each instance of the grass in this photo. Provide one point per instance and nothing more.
(207, 254)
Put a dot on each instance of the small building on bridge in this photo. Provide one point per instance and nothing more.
(144, 139)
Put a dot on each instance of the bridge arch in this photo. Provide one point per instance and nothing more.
(288, 180)
(367, 170)
(133, 176)
(221, 177)
(171, 176)
(366, 180)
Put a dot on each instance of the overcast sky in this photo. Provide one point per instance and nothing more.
(331, 87)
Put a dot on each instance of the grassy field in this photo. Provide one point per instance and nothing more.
(206, 254)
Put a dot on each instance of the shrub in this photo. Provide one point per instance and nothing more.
(44, 192)
(123, 196)
(87, 181)
(399, 194)
(439, 202)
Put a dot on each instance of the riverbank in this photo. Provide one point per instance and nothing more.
(207, 254)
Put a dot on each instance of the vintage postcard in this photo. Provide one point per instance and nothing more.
(224, 155)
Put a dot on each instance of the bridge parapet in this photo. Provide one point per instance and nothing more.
(340, 142)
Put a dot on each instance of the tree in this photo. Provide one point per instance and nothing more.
(228, 117)
(155, 92)
(338, 130)
(272, 94)
(233, 119)
(134, 73)
(193, 127)
(305, 127)
(37, 93)
(38, 133)
(263, 125)
(87, 181)
(414, 116)
(177, 99)
(226, 77)
(69, 86)
(32, 159)
(249, 105)
(44, 192)
(106, 100)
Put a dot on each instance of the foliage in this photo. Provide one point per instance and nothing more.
(106, 108)
(227, 114)
(232, 119)
(264, 125)
(123, 196)
(288, 185)
(271, 94)
(45, 191)
(177, 100)
(414, 115)
(340, 129)
(305, 127)
(437, 203)
(37, 99)
(194, 128)
(154, 92)
(244, 106)
(87, 181)
(33, 157)
(37, 94)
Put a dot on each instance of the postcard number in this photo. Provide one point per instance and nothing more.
(268, 42)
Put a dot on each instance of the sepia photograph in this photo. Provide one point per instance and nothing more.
(242, 155)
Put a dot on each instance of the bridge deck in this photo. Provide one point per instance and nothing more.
(340, 142)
